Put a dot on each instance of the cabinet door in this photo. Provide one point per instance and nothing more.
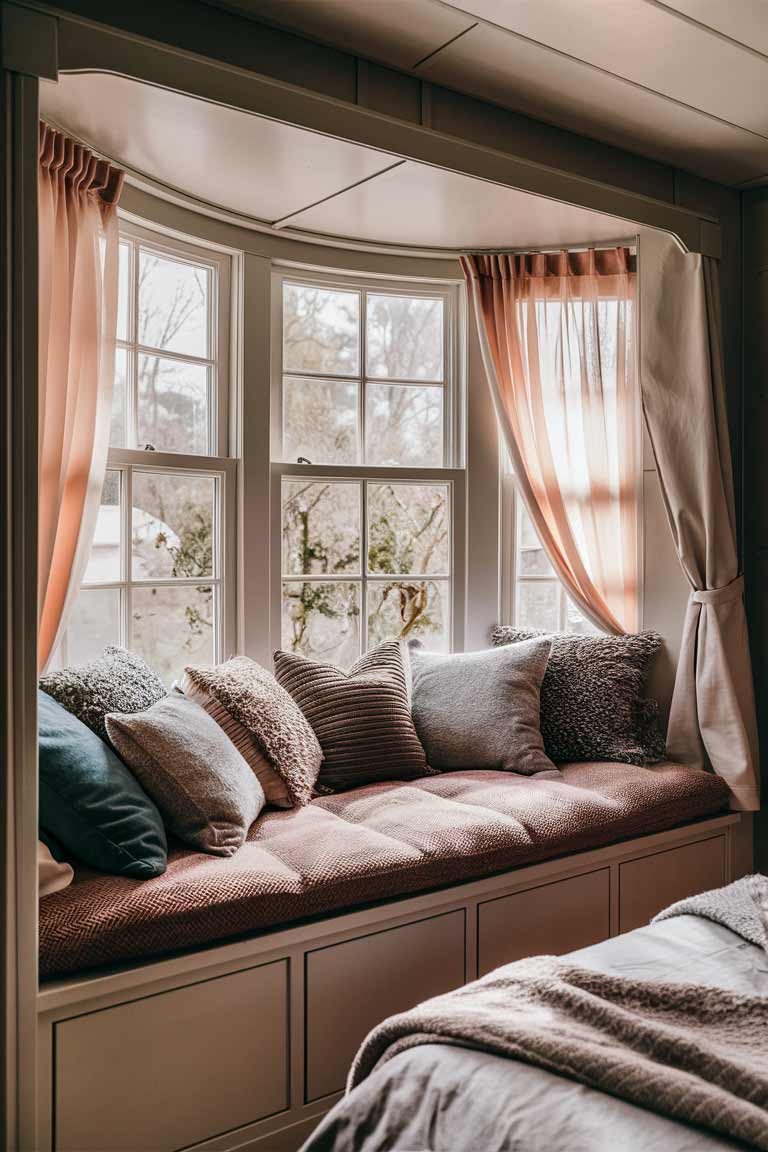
(353, 986)
(548, 920)
(654, 882)
(162, 1073)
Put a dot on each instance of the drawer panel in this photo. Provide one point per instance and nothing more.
(355, 985)
(162, 1073)
(548, 920)
(651, 883)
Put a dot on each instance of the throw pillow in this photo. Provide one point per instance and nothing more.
(592, 703)
(52, 874)
(206, 792)
(481, 709)
(118, 681)
(275, 790)
(362, 717)
(91, 802)
(253, 696)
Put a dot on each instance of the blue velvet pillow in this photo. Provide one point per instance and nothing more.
(91, 802)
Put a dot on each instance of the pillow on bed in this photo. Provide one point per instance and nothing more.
(91, 803)
(118, 681)
(206, 792)
(52, 874)
(253, 696)
(481, 709)
(275, 790)
(592, 703)
(362, 717)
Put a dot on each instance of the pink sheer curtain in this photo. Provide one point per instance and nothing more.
(77, 198)
(556, 331)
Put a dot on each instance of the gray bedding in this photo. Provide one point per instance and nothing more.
(447, 1099)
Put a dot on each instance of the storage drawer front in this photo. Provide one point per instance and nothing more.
(355, 985)
(653, 882)
(548, 920)
(162, 1073)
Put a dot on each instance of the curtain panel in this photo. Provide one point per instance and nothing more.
(556, 332)
(712, 717)
(78, 270)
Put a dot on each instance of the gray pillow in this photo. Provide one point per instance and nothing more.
(206, 793)
(117, 681)
(592, 703)
(253, 696)
(481, 709)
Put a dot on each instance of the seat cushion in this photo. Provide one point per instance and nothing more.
(372, 843)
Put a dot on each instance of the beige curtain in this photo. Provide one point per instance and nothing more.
(78, 243)
(556, 334)
(712, 717)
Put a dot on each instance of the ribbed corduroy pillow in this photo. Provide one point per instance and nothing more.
(362, 717)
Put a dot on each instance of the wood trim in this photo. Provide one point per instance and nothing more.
(18, 585)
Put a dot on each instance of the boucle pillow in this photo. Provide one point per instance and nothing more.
(592, 703)
(275, 790)
(117, 681)
(362, 717)
(206, 793)
(477, 710)
(253, 696)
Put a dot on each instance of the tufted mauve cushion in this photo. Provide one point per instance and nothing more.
(362, 717)
(118, 681)
(592, 703)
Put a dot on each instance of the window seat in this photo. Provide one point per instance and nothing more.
(369, 844)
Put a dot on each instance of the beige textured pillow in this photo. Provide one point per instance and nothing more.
(207, 794)
(52, 876)
(254, 698)
(362, 718)
(275, 791)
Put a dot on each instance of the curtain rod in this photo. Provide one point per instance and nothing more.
(601, 245)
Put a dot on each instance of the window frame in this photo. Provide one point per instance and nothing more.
(452, 473)
(221, 463)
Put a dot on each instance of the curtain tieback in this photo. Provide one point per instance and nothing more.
(732, 591)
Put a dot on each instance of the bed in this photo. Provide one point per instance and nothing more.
(448, 1098)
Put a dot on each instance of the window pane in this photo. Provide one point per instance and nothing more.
(538, 604)
(404, 425)
(321, 527)
(322, 621)
(321, 330)
(577, 621)
(320, 420)
(534, 562)
(124, 292)
(173, 405)
(408, 529)
(94, 623)
(404, 337)
(172, 525)
(117, 431)
(104, 560)
(528, 536)
(173, 627)
(173, 304)
(410, 609)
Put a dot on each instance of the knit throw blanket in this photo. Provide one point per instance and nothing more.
(694, 1053)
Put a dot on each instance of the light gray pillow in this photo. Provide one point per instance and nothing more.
(206, 793)
(476, 710)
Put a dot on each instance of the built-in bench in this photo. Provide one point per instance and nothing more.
(247, 1043)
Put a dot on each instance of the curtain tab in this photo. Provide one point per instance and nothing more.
(732, 591)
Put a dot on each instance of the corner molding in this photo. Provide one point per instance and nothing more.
(29, 41)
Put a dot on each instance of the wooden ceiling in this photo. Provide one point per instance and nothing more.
(681, 81)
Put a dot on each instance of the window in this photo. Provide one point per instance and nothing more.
(366, 431)
(160, 574)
